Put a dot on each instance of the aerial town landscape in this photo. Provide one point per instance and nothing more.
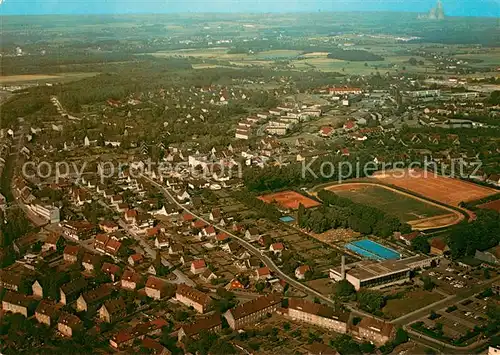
(250, 183)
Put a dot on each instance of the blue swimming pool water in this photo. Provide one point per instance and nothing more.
(372, 250)
(287, 219)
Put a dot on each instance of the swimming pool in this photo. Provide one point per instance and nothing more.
(372, 250)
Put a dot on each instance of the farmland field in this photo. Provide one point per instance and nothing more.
(62, 77)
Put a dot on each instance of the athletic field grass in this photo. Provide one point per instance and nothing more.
(405, 208)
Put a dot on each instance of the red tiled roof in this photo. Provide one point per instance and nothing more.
(327, 130)
(438, 244)
(193, 294)
(263, 271)
(210, 229)
(221, 236)
(155, 283)
(137, 257)
(278, 246)
(72, 250)
(199, 264)
(303, 269)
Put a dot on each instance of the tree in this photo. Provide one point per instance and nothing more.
(421, 244)
(259, 286)
(367, 348)
(428, 283)
(286, 326)
(181, 315)
(344, 288)
(400, 337)
(345, 345)
(371, 301)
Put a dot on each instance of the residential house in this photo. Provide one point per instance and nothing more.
(263, 273)
(183, 196)
(175, 249)
(112, 310)
(300, 272)
(71, 254)
(376, 331)
(208, 276)
(318, 314)
(438, 247)
(155, 288)
(265, 240)
(68, 324)
(37, 289)
(112, 270)
(47, 312)
(276, 248)
(53, 242)
(71, 290)
(326, 131)
(207, 232)
(78, 230)
(253, 311)
(108, 226)
(154, 347)
(162, 241)
(130, 216)
(252, 234)
(11, 281)
(91, 262)
(212, 323)
(191, 297)
(135, 259)
(198, 266)
(215, 215)
(17, 303)
(91, 301)
(131, 280)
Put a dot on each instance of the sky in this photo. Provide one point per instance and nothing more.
(490, 8)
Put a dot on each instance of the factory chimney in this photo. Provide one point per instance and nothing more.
(342, 268)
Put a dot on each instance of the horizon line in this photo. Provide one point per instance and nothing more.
(235, 13)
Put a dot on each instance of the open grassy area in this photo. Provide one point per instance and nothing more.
(405, 208)
(410, 302)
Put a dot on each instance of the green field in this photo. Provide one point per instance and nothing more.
(405, 208)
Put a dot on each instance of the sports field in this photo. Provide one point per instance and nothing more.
(405, 208)
(289, 199)
(493, 205)
(435, 187)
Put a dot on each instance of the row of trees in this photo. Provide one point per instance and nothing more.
(331, 167)
(354, 55)
(481, 234)
(340, 212)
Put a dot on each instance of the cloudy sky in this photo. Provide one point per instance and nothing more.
(452, 7)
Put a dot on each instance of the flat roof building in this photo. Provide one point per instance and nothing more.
(373, 274)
